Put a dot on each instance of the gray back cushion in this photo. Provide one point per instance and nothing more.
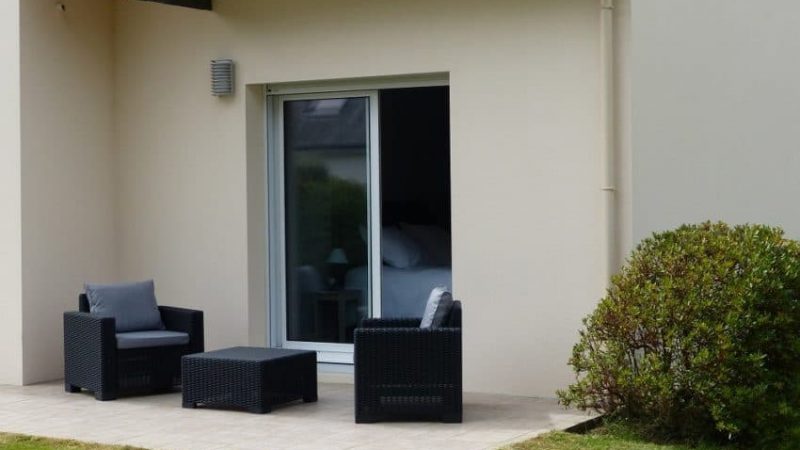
(132, 305)
(437, 309)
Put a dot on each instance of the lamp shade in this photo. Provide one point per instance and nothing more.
(337, 256)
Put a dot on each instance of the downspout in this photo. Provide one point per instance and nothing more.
(609, 160)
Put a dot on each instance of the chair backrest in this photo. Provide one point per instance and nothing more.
(83, 303)
(454, 319)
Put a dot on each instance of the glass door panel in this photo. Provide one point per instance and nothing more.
(326, 171)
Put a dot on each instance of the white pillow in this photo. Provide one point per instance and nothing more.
(437, 309)
(399, 250)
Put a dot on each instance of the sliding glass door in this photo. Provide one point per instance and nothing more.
(326, 217)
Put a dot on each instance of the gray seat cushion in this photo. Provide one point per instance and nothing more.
(155, 338)
(437, 310)
(132, 305)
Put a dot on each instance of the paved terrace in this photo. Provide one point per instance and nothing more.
(159, 422)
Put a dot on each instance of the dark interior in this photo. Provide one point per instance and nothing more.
(415, 156)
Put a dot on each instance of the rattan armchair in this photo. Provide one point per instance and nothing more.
(92, 360)
(403, 372)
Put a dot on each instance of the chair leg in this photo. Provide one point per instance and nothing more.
(451, 418)
(259, 409)
(105, 396)
(363, 417)
(71, 388)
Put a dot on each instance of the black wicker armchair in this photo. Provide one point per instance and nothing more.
(403, 372)
(93, 361)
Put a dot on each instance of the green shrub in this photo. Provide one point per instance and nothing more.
(698, 336)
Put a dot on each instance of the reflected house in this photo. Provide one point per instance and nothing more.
(330, 133)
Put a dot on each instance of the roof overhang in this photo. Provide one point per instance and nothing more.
(196, 4)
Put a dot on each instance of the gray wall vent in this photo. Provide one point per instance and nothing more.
(221, 77)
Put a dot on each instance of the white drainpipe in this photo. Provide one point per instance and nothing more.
(609, 181)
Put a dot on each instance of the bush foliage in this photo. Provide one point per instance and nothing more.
(698, 336)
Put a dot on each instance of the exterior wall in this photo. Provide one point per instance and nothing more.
(182, 165)
(10, 198)
(715, 135)
(67, 168)
(525, 128)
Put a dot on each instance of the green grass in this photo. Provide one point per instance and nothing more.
(604, 438)
(22, 442)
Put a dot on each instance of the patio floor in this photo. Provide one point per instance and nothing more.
(490, 421)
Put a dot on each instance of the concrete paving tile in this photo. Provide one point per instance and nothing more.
(159, 422)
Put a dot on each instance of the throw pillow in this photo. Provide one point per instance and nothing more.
(399, 250)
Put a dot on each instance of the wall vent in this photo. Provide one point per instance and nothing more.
(221, 77)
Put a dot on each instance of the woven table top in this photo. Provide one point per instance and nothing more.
(256, 354)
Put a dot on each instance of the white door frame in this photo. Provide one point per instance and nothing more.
(276, 94)
(327, 352)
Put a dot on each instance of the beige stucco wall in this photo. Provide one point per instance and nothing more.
(182, 166)
(67, 168)
(715, 102)
(10, 198)
(525, 129)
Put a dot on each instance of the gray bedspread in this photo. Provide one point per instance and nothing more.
(405, 291)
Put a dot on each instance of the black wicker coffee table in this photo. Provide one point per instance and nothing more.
(249, 378)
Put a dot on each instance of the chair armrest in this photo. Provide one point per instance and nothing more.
(87, 327)
(408, 334)
(403, 322)
(90, 349)
(408, 355)
(189, 321)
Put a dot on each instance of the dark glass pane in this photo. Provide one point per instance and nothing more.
(326, 166)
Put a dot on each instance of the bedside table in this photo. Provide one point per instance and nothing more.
(340, 301)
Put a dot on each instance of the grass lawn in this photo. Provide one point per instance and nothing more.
(22, 442)
(601, 439)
